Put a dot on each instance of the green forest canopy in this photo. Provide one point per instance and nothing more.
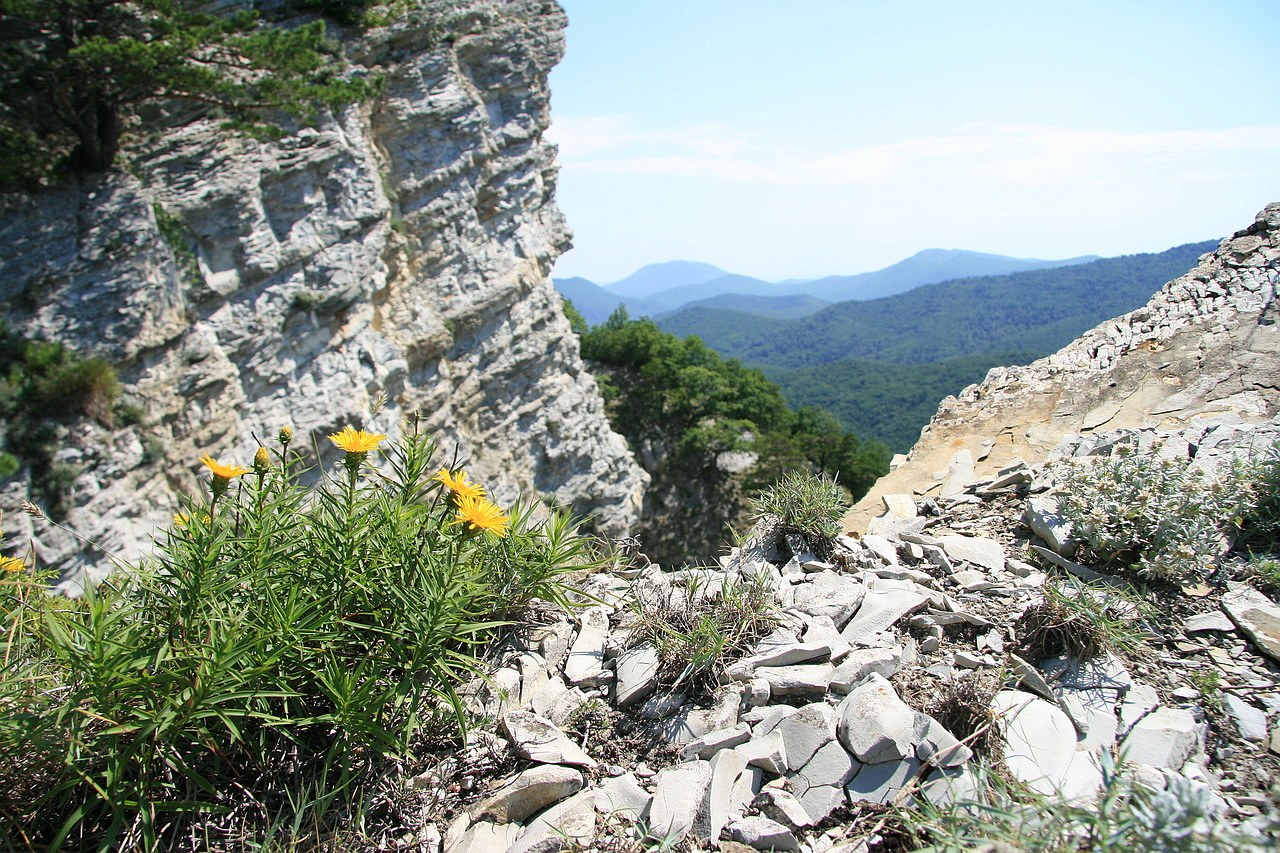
(659, 386)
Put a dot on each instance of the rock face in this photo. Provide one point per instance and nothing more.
(401, 250)
(1205, 344)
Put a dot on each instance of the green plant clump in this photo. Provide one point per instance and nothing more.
(1161, 515)
(285, 648)
(1126, 818)
(808, 504)
(698, 632)
(41, 384)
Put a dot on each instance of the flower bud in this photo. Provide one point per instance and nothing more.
(286, 435)
(261, 461)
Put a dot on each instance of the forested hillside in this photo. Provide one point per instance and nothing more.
(888, 401)
(710, 431)
(883, 366)
(1039, 310)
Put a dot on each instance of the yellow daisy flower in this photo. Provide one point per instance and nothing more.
(223, 472)
(357, 440)
(457, 483)
(482, 514)
(11, 564)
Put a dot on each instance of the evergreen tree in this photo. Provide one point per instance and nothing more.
(72, 71)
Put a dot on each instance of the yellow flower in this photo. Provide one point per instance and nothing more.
(286, 435)
(481, 514)
(220, 471)
(457, 483)
(182, 519)
(357, 440)
(11, 564)
(261, 460)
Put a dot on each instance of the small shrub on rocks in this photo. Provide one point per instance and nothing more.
(1161, 515)
(802, 503)
(1081, 621)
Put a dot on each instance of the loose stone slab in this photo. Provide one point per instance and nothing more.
(586, 658)
(934, 743)
(881, 547)
(637, 675)
(976, 550)
(573, 820)
(784, 807)
(622, 795)
(678, 796)
(806, 731)
(1040, 747)
(879, 783)
(800, 680)
(880, 610)
(1042, 516)
(485, 837)
(1251, 721)
(761, 833)
(830, 765)
(1165, 738)
(1257, 616)
(725, 799)
(529, 792)
(830, 594)
(537, 739)
(712, 742)
(875, 725)
(1214, 620)
(818, 650)
(767, 753)
(862, 662)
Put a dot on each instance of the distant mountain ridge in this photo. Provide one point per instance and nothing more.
(667, 287)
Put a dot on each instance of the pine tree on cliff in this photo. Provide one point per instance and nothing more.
(73, 71)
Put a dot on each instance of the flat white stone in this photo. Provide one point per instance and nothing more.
(1251, 721)
(724, 799)
(902, 506)
(637, 675)
(819, 650)
(821, 800)
(1257, 616)
(830, 765)
(830, 594)
(622, 795)
(678, 796)
(799, 680)
(1040, 747)
(573, 820)
(881, 547)
(875, 725)
(822, 630)
(1042, 516)
(528, 792)
(879, 783)
(783, 806)
(975, 550)
(862, 662)
(763, 834)
(766, 752)
(880, 611)
(1166, 738)
(585, 663)
(712, 742)
(1214, 620)
(486, 837)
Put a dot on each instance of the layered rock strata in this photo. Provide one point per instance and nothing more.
(1206, 343)
(399, 252)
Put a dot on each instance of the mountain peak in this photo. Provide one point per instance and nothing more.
(653, 278)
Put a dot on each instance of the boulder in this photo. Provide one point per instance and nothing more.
(1040, 747)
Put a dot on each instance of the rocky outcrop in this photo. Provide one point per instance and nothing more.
(1206, 343)
(400, 251)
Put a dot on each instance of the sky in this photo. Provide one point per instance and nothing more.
(802, 138)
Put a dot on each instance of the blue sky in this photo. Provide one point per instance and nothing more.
(820, 137)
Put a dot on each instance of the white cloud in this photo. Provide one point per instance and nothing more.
(1017, 154)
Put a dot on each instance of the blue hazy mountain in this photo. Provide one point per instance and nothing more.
(776, 307)
(654, 278)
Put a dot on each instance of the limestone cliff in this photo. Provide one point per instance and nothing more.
(400, 249)
(1207, 343)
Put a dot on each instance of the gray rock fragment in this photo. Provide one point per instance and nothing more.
(1257, 616)
(1251, 721)
(537, 739)
(1042, 516)
(805, 731)
(862, 662)
(636, 675)
(529, 792)
(761, 833)
(875, 725)
(679, 793)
